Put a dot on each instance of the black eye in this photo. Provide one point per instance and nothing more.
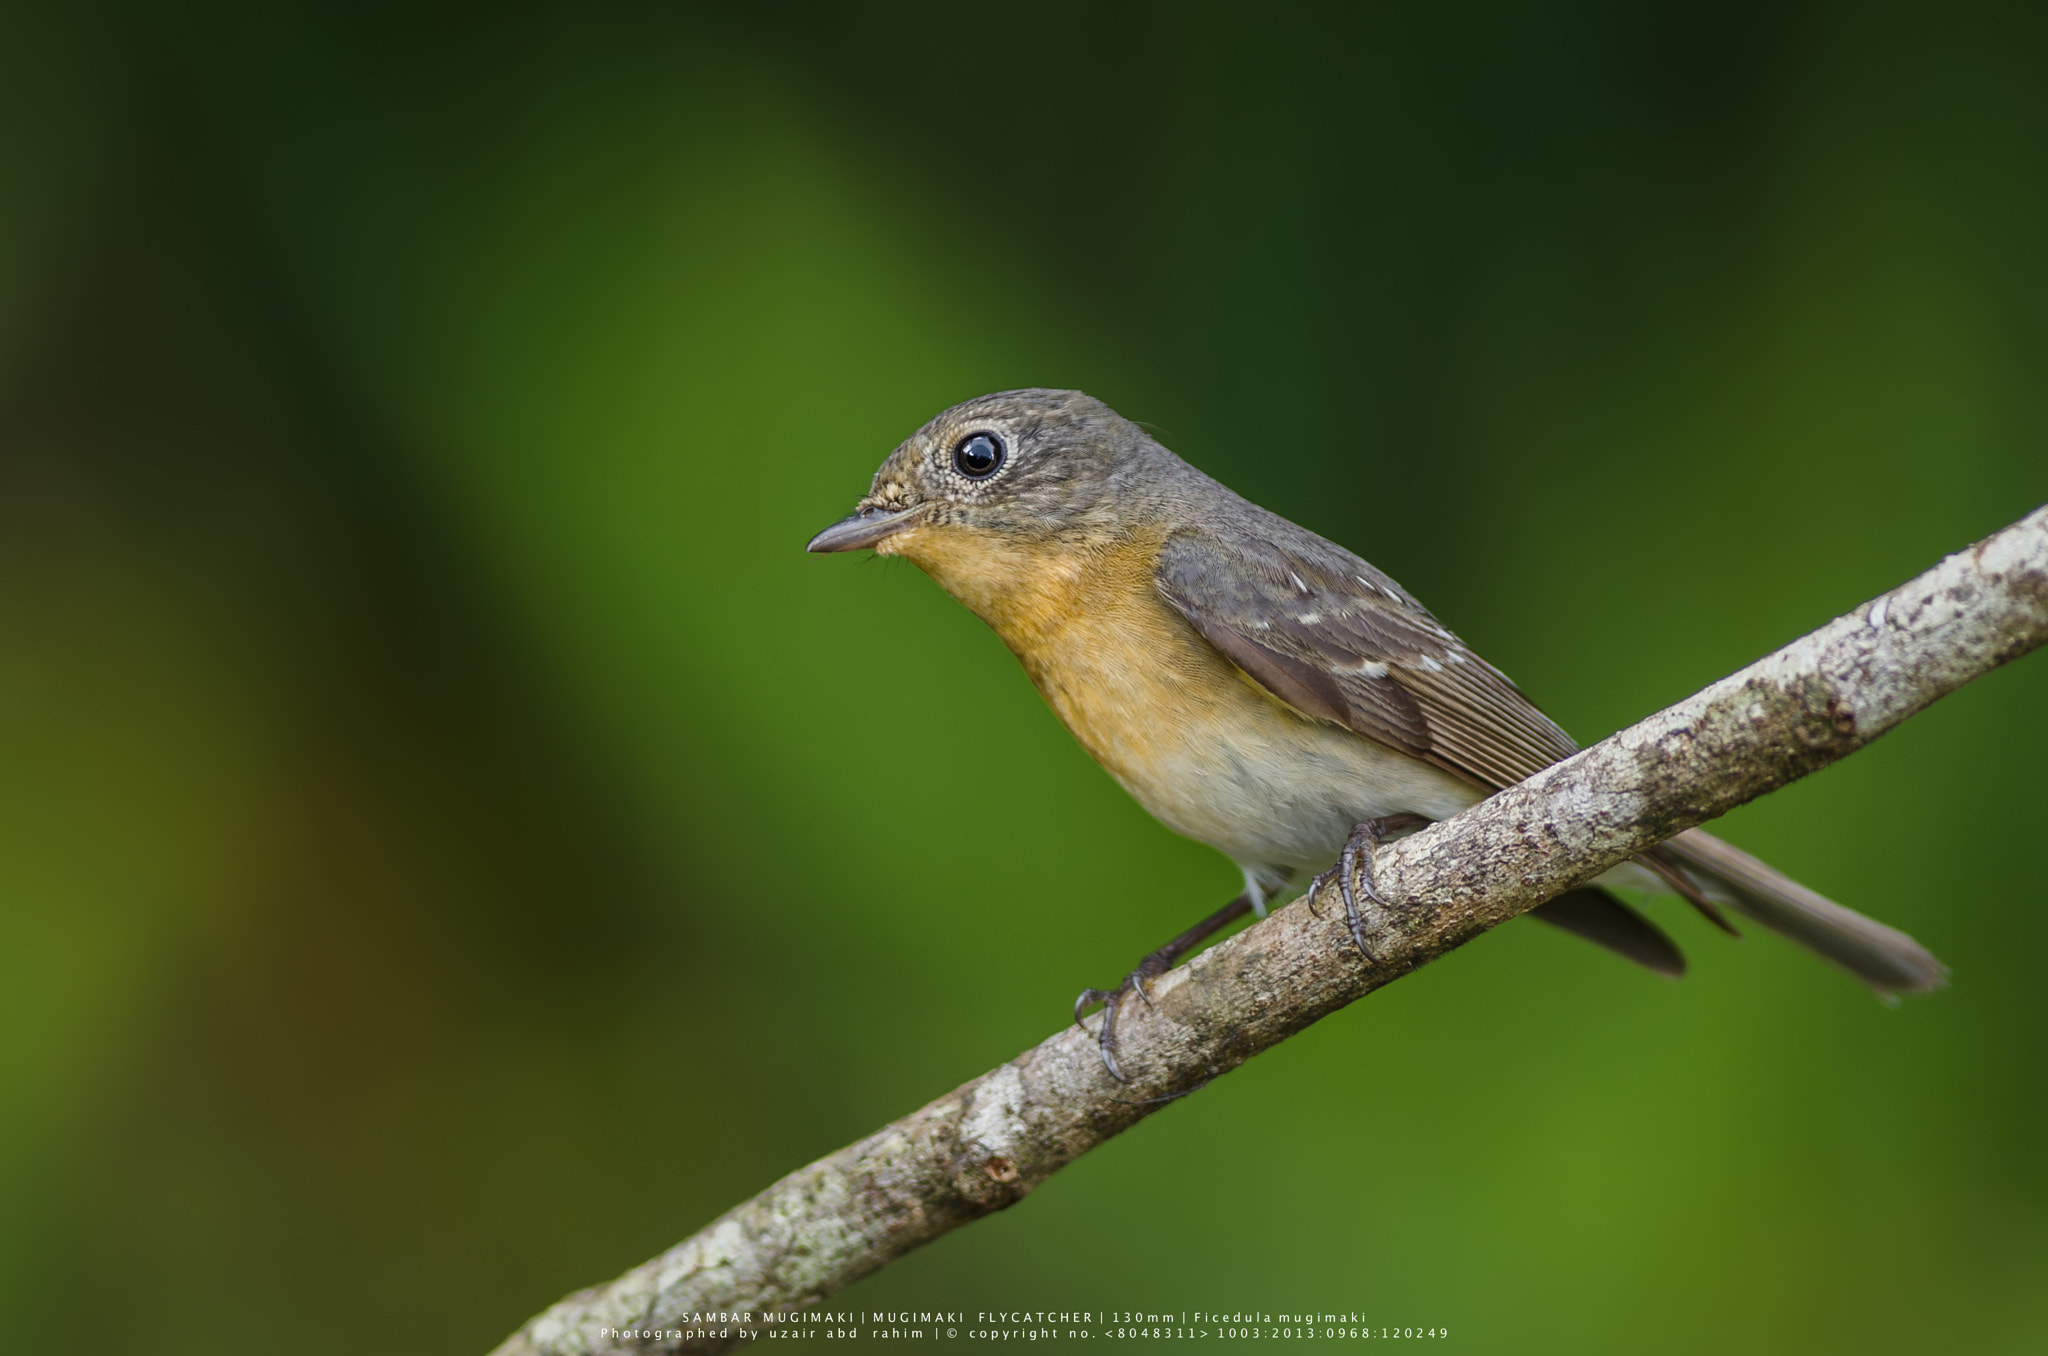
(978, 455)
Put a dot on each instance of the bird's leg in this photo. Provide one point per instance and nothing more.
(1154, 965)
(1364, 838)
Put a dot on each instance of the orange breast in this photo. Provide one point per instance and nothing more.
(1199, 744)
(1123, 670)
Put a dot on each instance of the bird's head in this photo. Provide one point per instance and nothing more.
(1012, 471)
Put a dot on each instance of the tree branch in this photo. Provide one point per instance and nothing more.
(987, 1143)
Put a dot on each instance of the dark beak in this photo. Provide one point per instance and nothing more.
(864, 529)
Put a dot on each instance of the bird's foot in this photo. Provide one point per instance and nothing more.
(1112, 1000)
(1351, 882)
(1149, 969)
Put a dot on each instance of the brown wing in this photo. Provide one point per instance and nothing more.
(1336, 639)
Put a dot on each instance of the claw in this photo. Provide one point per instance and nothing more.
(1106, 1043)
(1136, 982)
(1090, 995)
(1112, 1001)
(1351, 882)
(1362, 841)
(1150, 968)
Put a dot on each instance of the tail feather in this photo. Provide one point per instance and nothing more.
(1689, 889)
(1590, 912)
(1882, 957)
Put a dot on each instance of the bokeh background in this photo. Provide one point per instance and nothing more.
(453, 842)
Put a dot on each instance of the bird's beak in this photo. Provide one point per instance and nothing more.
(864, 529)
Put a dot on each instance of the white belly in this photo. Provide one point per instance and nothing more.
(1280, 791)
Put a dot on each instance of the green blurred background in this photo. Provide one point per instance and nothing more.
(453, 842)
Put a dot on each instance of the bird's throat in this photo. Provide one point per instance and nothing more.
(1031, 593)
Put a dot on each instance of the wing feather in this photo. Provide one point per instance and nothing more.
(1337, 640)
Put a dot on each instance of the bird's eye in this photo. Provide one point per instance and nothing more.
(978, 455)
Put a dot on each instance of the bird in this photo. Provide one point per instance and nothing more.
(1261, 689)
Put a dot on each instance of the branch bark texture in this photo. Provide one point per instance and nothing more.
(986, 1144)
